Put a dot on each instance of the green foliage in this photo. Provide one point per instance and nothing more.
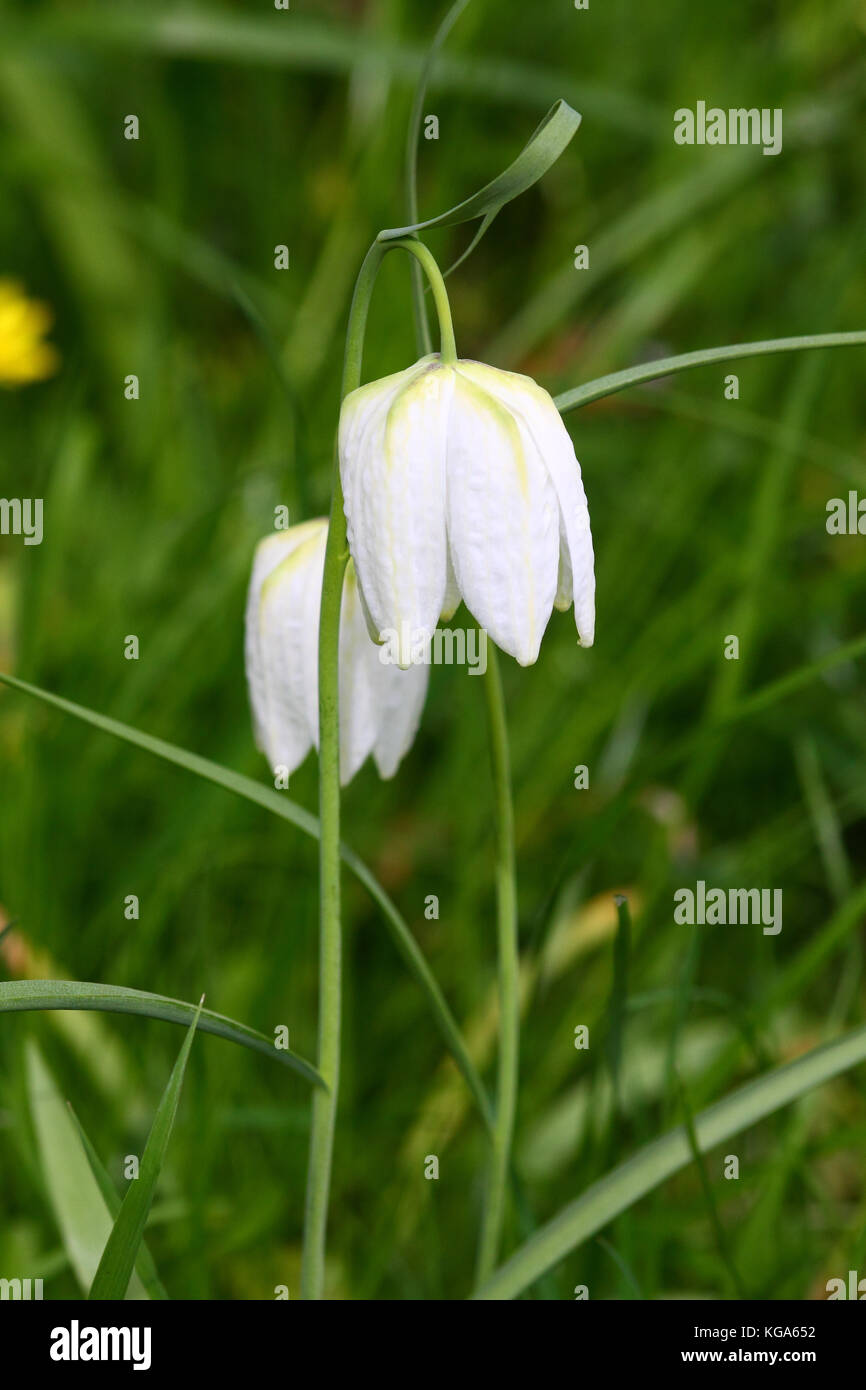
(708, 517)
(122, 1248)
(79, 1206)
(21, 996)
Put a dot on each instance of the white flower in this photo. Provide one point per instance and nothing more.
(380, 705)
(461, 481)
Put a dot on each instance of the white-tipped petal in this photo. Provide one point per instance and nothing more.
(535, 408)
(564, 579)
(288, 630)
(270, 553)
(392, 467)
(453, 596)
(503, 519)
(402, 695)
(359, 698)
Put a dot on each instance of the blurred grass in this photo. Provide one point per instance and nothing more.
(708, 515)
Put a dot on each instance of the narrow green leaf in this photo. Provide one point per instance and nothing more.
(79, 1207)
(181, 757)
(144, 1265)
(215, 33)
(281, 805)
(626, 1184)
(537, 156)
(709, 1198)
(622, 1265)
(667, 366)
(422, 326)
(121, 1250)
(619, 994)
(26, 996)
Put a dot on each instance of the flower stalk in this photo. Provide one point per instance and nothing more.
(324, 1114)
(508, 973)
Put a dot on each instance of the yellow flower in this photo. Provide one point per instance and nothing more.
(24, 355)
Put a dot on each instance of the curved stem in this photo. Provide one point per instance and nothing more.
(447, 346)
(324, 1115)
(509, 967)
(419, 308)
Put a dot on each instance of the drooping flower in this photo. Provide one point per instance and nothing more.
(24, 355)
(380, 704)
(461, 481)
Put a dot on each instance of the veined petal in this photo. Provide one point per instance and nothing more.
(565, 578)
(270, 553)
(359, 696)
(288, 627)
(503, 518)
(362, 405)
(380, 705)
(535, 408)
(401, 701)
(392, 467)
(452, 599)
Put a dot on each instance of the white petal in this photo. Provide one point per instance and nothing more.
(270, 553)
(359, 697)
(451, 601)
(532, 404)
(402, 695)
(380, 704)
(503, 519)
(565, 578)
(288, 624)
(392, 467)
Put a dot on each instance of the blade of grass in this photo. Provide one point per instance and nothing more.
(628, 1182)
(280, 805)
(424, 341)
(28, 996)
(667, 366)
(121, 1250)
(79, 1207)
(622, 1265)
(619, 994)
(144, 1265)
(539, 154)
(707, 1189)
(314, 46)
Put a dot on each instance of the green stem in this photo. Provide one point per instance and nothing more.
(330, 936)
(330, 932)
(667, 366)
(509, 969)
(419, 308)
(447, 346)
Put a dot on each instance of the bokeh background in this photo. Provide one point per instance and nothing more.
(156, 257)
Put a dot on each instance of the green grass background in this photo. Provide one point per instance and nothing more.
(259, 128)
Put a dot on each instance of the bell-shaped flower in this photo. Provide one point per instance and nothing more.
(461, 481)
(380, 705)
